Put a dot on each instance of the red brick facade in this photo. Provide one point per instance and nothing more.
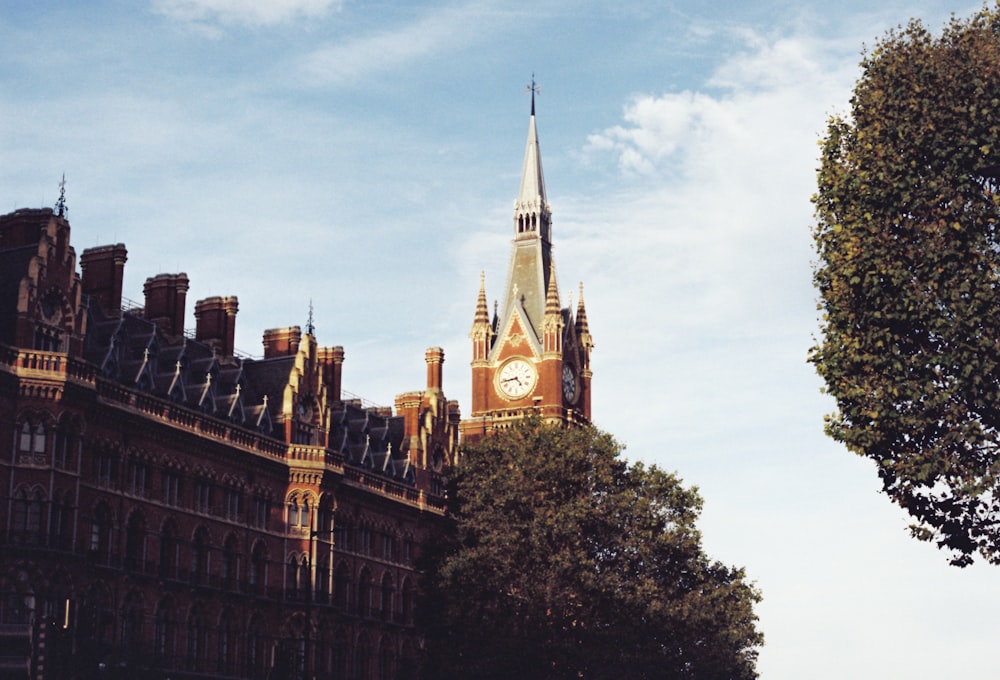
(168, 509)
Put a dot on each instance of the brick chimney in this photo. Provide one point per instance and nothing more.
(435, 360)
(165, 298)
(103, 269)
(282, 342)
(332, 360)
(215, 322)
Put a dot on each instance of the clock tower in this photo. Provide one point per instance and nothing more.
(533, 356)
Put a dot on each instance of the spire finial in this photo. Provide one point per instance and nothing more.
(534, 88)
(310, 327)
(61, 208)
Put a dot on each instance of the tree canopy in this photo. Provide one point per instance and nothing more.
(908, 239)
(564, 561)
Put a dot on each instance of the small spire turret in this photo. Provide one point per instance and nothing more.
(552, 294)
(61, 209)
(582, 327)
(482, 310)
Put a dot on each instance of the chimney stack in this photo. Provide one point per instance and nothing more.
(103, 269)
(332, 360)
(282, 342)
(166, 295)
(435, 361)
(215, 322)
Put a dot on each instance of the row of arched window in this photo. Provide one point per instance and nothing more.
(195, 559)
(232, 642)
(170, 636)
(37, 520)
(364, 597)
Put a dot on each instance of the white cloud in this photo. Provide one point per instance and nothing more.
(768, 96)
(449, 30)
(243, 12)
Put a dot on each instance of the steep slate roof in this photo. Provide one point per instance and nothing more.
(249, 392)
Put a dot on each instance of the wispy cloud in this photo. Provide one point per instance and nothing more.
(444, 31)
(211, 13)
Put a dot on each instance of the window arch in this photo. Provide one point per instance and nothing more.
(227, 639)
(100, 533)
(341, 587)
(67, 443)
(197, 632)
(32, 443)
(294, 512)
(17, 599)
(200, 556)
(96, 615)
(256, 649)
(297, 577)
(135, 541)
(168, 550)
(61, 521)
(257, 575)
(300, 508)
(386, 596)
(27, 511)
(322, 593)
(230, 562)
(132, 622)
(408, 600)
(365, 594)
(164, 631)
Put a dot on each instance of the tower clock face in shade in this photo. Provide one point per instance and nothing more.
(569, 384)
(516, 379)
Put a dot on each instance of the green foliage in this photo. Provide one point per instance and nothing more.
(566, 562)
(909, 276)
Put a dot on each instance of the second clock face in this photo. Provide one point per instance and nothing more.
(516, 378)
(569, 384)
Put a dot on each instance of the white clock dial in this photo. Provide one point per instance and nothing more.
(516, 378)
(569, 384)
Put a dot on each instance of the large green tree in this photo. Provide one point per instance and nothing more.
(564, 561)
(908, 237)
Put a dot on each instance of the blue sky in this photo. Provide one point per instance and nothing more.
(366, 156)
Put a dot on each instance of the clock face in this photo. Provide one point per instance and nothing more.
(516, 378)
(569, 384)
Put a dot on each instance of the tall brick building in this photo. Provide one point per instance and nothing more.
(169, 508)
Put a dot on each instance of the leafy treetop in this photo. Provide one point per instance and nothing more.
(908, 273)
(566, 562)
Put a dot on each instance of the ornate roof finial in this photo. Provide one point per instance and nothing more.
(534, 88)
(310, 327)
(61, 208)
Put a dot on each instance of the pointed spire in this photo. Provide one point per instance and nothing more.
(532, 193)
(482, 310)
(552, 294)
(310, 327)
(582, 327)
